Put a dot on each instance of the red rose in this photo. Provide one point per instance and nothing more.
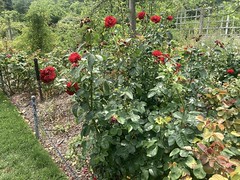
(48, 74)
(74, 57)
(170, 18)
(230, 71)
(141, 15)
(156, 53)
(72, 88)
(110, 21)
(155, 19)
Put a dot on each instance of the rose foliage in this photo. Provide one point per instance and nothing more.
(153, 111)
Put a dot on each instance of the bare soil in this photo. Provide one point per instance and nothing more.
(56, 118)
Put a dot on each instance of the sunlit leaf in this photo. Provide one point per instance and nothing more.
(152, 151)
(219, 135)
(174, 152)
(191, 162)
(198, 172)
(217, 177)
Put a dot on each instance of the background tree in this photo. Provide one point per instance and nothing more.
(8, 5)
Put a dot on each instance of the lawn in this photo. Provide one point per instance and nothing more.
(21, 155)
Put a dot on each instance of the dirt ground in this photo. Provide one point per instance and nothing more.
(56, 119)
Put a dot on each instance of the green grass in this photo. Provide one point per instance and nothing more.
(21, 155)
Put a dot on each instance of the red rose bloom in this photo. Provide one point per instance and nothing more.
(170, 18)
(156, 53)
(48, 74)
(110, 21)
(74, 57)
(155, 19)
(72, 88)
(141, 15)
(230, 71)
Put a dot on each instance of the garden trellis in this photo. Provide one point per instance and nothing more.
(205, 22)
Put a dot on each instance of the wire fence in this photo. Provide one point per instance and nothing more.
(39, 126)
(205, 22)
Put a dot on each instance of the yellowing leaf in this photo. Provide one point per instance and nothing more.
(235, 133)
(219, 135)
(140, 37)
(200, 126)
(218, 177)
(195, 140)
(222, 92)
(200, 118)
(235, 175)
(168, 119)
(208, 95)
(207, 134)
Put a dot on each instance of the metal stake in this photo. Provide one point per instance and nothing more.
(33, 100)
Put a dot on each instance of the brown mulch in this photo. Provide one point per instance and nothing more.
(56, 117)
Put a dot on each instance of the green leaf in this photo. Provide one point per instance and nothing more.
(150, 142)
(181, 140)
(129, 94)
(152, 151)
(89, 115)
(148, 126)
(183, 153)
(134, 117)
(153, 172)
(85, 130)
(178, 115)
(171, 140)
(113, 131)
(151, 94)
(145, 174)
(198, 172)
(105, 144)
(191, 162)
(175, 173)
(121, 120)
(130, 128)
(75, 110)
(106, 88)
(100, 58)
(174, 152)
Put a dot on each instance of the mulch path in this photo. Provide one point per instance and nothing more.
(56, 117)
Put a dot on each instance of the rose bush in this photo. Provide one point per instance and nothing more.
(143, 119)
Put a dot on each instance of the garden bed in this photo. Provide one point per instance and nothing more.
(56, 117)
